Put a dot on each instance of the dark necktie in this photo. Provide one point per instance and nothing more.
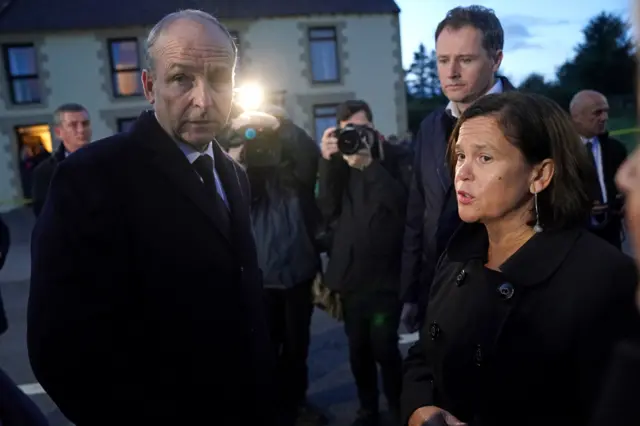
(204, 168)
(597, 191)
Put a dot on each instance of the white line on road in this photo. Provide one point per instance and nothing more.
(406, 338)
(32, 389)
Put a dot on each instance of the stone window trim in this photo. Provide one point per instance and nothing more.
(112, 66)
(341, 43)
(43, 73)
(104, 56)
(113, 117)
(308, 103)
(402, 118)
(8, 127)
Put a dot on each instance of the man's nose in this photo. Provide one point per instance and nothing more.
(454, 70)
(202, 95)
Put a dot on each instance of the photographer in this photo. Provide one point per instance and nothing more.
(281, 161)
(363, 197)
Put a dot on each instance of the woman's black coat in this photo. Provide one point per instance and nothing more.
(529, 351)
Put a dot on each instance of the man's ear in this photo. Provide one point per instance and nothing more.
(541, 175)
(497, 61)
(58, 132)
(147, 86)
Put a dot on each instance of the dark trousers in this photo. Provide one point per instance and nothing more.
(371, 323)
(289, 313)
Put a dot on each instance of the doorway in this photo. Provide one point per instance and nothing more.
(34, 146)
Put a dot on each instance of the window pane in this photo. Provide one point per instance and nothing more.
(325, 110)
(324, 64)
(127, 83)
(322, 124)
(124, 125)
(322, 33)
(124, 55)
(26, 91)
(22, 61)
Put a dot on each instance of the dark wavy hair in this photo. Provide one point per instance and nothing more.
(540, 129)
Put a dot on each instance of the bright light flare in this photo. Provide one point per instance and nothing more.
(250, 97)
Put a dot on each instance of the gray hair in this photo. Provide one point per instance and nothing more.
(188, 14)
(70, 107)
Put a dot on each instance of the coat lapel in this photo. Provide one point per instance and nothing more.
(164, 155)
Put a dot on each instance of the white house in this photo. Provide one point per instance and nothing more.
(310, 55)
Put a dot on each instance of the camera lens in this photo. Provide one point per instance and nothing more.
(349, 141)
(250, 134)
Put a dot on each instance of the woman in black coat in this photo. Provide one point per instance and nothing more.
(525, 305)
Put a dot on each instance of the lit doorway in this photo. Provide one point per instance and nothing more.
(34, 146)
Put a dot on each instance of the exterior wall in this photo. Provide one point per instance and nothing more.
(74, 67)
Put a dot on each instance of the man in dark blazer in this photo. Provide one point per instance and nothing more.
(146, 302)
(72, 127)
(590, 114)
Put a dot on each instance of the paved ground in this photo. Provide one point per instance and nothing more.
(331, 385)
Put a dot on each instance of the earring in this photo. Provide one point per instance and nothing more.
(537, 227)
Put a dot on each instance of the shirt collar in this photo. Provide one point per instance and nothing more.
(190, 152)
(496, 88)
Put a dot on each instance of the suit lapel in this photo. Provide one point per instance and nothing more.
(164, 155)
(230, 181)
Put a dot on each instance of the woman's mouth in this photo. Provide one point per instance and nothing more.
(464, 197)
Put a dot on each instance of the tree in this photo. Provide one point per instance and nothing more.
(534, 83)
(604, 61)
(422, 76)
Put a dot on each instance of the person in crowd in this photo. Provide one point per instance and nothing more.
(146, 303)
(282, 165)
(590, 113)
(363, 196)
(469, 44)
(72, 127)
(526, 304)
(618, 404)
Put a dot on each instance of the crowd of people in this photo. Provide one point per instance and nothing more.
(175, 266)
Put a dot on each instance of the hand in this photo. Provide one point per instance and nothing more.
(255, 119)
(329, 143)
(433, 416)
(408, 317)
(360, 160)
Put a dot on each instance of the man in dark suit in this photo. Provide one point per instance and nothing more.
(72, 127)
(146, 302)
(590, 114)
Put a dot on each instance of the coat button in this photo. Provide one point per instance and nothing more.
(477, 356)
(506, 291)
(434, 330)
(460, 277)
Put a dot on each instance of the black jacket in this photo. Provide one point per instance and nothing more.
(528, 346)
(42, 175)
(366, 211)
(144, 306)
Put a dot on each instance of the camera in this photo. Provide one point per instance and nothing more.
(353, 138)
(258, 132)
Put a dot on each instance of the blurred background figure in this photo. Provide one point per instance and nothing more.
(72, 128)
(281, 161)
(590, 114)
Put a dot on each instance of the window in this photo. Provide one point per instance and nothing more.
(21, 66)
(125, 67)
(34, 146)
(324, 116)
(323, 51)
(125, 124)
